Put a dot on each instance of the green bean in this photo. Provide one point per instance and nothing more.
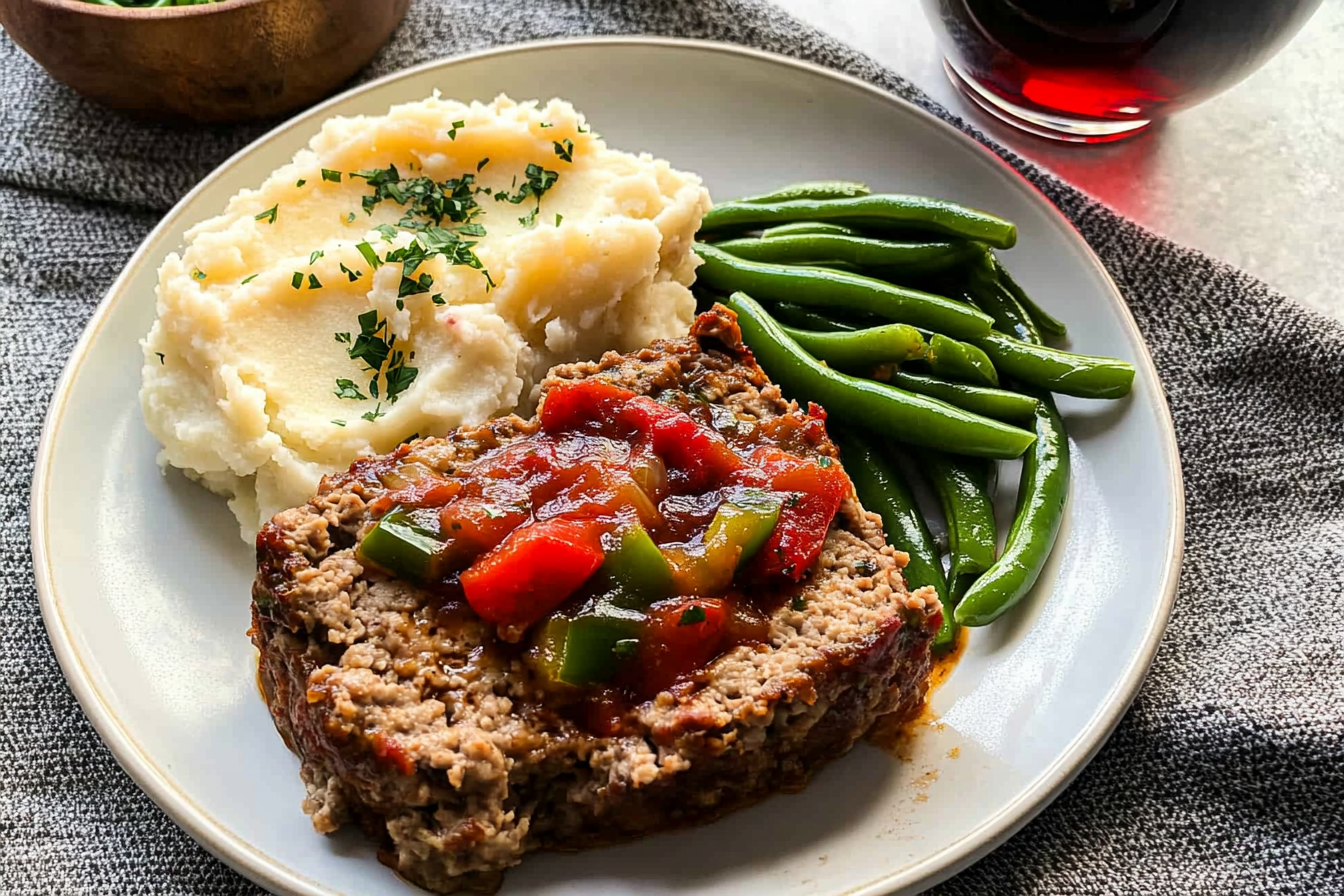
(960, 361)
(889, 412)
(896, 259)
(919, 214)
(812, 190)
(807, 319)
(1041, 496)
(946, 639)
(818, 287)
(1084, 376)
(1039, 316)
(993, 298)
(1000, 404)
(882, 489)
(962, 486)
(802, 227)
(887, 344)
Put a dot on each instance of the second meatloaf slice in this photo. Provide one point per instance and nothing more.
(415, 719)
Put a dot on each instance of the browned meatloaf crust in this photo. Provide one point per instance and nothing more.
(420, 726)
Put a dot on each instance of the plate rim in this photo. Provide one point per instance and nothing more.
(246, 859)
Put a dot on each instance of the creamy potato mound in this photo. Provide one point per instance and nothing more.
(288, 344)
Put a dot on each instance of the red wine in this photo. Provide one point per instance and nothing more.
(1110, 60)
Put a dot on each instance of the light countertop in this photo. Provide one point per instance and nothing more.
(1254, 176)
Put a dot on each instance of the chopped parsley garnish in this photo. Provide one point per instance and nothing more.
(332, 176)
(374, 414)
(339, 422)
(692, 615)
(564, 149)
(161, 359)
(369, 255)
(798, 603)
(558, 218)
(197, 274)
(625, 648)
(297, 280)
(401, 304)
(824, 462)
(350, 218)
(248, 279)
(347, 389)
(300, 182)
(539, 180)
(865, 567)
(482, 163)
(269, 215)
(317, 253)
(387, 231)
(353, 275)
(452, 132)
(583, 129)
(375, 347)
(530, 218)
(438, 299)
(313, 282)
(547, 124)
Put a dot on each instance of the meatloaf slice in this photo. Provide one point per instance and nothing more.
(415, 719)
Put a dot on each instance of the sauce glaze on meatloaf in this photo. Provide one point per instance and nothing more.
(414, 718)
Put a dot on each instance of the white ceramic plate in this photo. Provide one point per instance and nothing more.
(144, 582)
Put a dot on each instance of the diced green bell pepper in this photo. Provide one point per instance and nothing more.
(745, 522)
(595, 643)
(404, 543)
(636, 564)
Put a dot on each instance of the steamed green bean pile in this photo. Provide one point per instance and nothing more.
(895, 314)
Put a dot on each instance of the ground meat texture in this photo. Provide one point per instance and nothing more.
(415, 720)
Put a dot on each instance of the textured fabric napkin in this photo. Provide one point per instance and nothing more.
(1227, 775)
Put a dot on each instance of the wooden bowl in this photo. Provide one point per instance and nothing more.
(216, 62)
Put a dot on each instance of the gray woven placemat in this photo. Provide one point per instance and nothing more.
(1227, 776)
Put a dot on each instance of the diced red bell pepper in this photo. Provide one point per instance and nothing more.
(572, 405)
(816, 488)
(683, 636)
(533, 571)
(697, 458)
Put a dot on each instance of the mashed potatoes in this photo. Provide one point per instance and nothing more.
(288, 342)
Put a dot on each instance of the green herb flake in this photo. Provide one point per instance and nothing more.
(300, 182)
(197, 274)
(625, 648)
(824, 462)
(313, 282)
(482, 163)
(353, 275)
(374, 414)
(269, 215)
(530, 218)
(369, 255)
(317, 253)
(161, 358)
(350, 218)
(798, 603)
(339, 422)
(343, 337)
(564, 149)
(438, 299)
(296, 281)
(387, 232)
(401, 305)
(452, 132)
(692, 615)
(249, 279)
(331, 176)
(558, 218)
(547, 124)
(347, 389)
